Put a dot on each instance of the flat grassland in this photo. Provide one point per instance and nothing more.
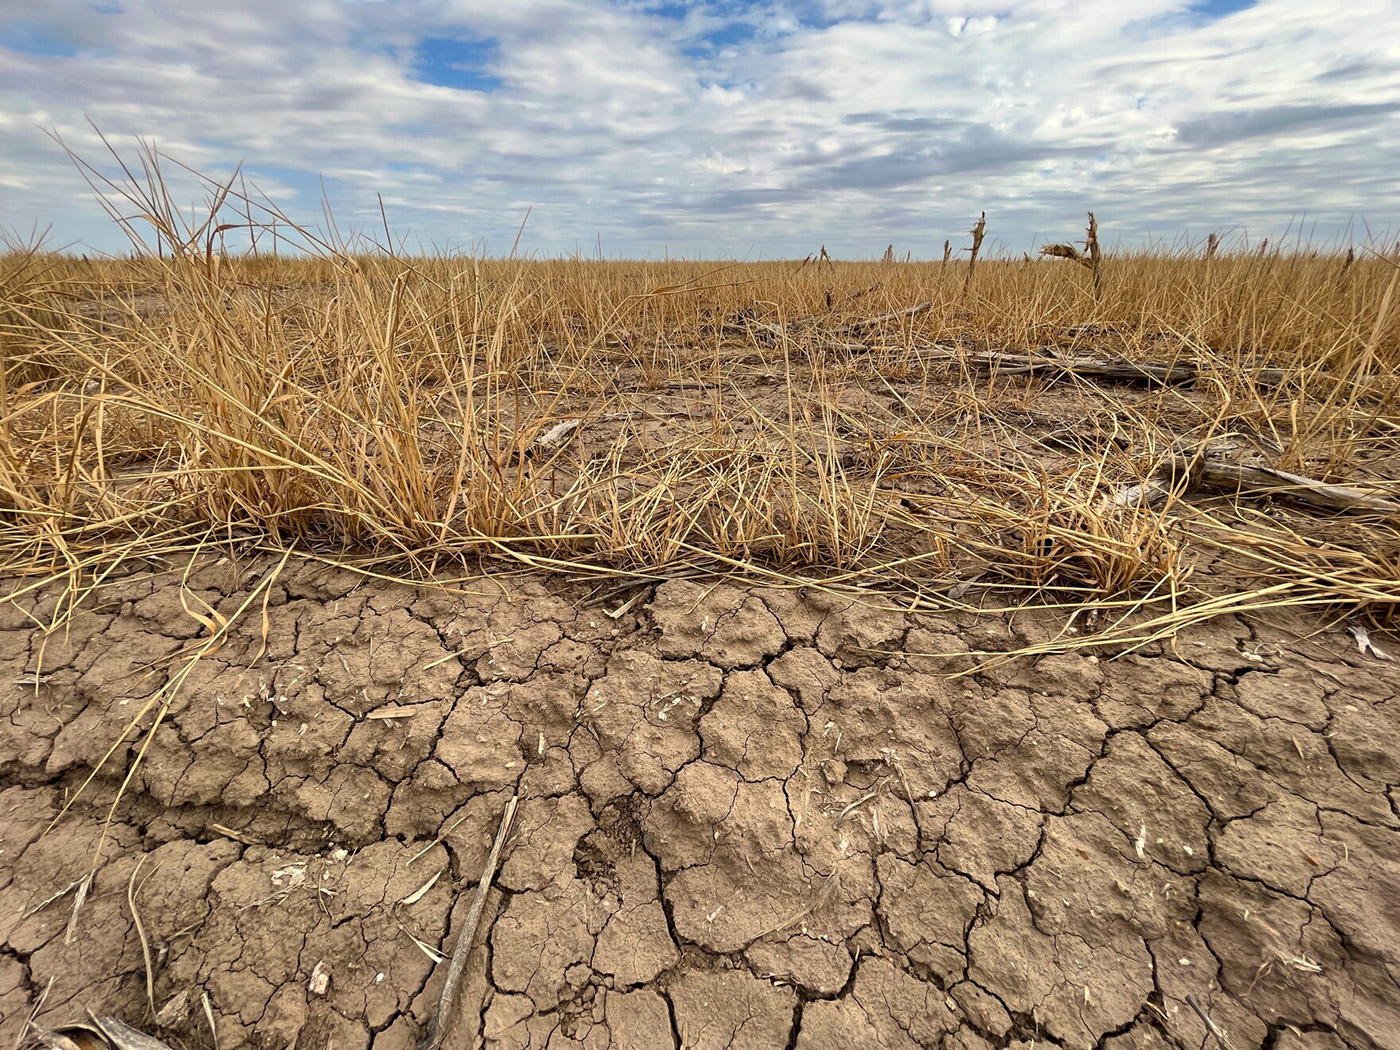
(897, 654)
(914, 427)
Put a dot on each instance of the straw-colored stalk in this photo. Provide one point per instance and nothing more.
(978, 232)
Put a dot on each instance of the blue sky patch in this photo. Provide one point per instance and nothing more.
(1197, 13)
(454, 63)
(731, 35)
(34, 38)
(1211, 10)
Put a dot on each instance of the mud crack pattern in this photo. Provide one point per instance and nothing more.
(750, 818)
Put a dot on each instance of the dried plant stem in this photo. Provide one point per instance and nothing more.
(1091, 244)
(447, 1002)
(978, 232)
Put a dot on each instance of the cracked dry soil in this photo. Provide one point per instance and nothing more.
(749, 818)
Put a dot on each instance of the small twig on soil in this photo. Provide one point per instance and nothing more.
(432, 953)
(442, 837)
(621, 610)
(1211, 1026)
(35, 909)
(447, 1002)
(417, 895)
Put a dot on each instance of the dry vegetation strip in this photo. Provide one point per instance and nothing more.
(909, 426)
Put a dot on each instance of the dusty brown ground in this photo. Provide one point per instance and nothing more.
(749, 818)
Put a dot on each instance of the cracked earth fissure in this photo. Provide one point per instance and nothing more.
(749, 817)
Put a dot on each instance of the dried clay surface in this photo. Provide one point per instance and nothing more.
(748, 818)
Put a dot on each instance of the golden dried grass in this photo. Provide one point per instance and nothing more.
(355, 403)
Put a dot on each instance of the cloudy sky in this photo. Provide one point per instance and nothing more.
(724, 128)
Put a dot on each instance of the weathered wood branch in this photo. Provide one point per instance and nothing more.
(802, 326)
(1091, 367)
(1219, 475)
(895, 315)
(1213, 473)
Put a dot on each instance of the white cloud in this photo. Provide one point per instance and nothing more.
(735, 126)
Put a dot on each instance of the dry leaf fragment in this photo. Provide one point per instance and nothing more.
(417, 895)
(293, 875)
(123, 1037)
(71, 1038)
(83, 886)
(1364, 643)
(427, 949)
(99, 1033)
(173, 1012)
(558, 432)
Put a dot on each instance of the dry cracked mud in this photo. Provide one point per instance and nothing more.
(749, 818)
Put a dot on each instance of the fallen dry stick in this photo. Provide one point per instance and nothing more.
(894, 315)
(447, 1002)
(1220, 475)
(803, 324)
(1163, 373)
(1211, 473)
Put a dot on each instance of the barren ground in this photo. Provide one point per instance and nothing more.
(749, 818)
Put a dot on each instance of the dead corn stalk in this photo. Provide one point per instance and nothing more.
(1091, 258)
(1091, 244)
(978, 232)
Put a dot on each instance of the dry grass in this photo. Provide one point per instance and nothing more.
(363, 405)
